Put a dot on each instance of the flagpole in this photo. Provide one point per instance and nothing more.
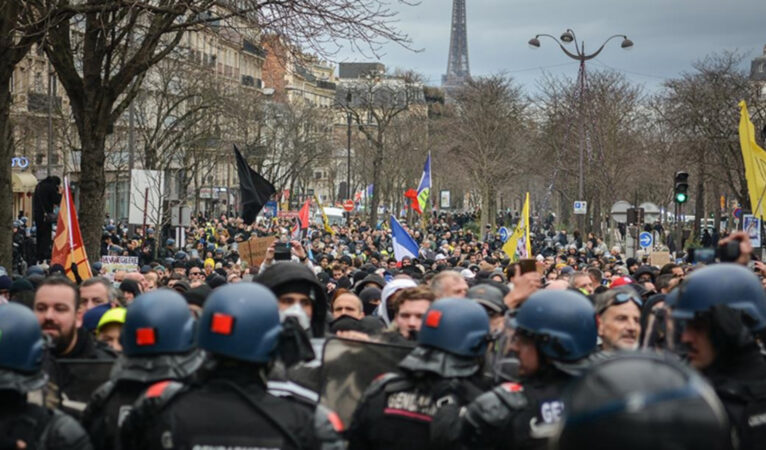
(69, 217)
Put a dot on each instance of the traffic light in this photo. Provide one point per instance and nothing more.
(680, 192)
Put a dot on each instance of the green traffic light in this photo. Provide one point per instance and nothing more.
(681, 197)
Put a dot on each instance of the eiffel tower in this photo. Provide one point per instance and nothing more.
(457, 64)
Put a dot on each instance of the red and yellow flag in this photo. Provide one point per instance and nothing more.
(68, 247)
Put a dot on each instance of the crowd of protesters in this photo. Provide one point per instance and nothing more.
(348, 283)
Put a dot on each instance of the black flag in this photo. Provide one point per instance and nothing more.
(254, 189)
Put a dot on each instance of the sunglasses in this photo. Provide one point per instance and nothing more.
(622, 298)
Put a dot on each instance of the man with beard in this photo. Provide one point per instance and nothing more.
(619, 318)
(55, 305)
(22, 423)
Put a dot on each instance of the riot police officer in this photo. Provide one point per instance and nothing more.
(552, 334)
(642, 401)
(718, 309)
(229, 406)
(443, 373)
(24, 425)
(159, 343)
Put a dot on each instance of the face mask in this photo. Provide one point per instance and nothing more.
(296, 311)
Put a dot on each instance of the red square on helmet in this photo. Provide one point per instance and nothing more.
(222, 324)
(145, 336)
(433, 318)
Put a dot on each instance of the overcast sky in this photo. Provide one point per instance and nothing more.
(668, 35)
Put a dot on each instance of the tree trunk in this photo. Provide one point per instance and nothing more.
(486, 210)
(377, 162)
(699, 208)
(92, 186)
(6, 186)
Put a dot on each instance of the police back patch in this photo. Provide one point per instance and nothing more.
(410, 405)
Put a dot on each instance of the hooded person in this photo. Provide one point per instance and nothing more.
(370, 299)
(384, 310)
(299, 293)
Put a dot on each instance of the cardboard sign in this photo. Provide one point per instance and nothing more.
(254, 250)
(659, 259)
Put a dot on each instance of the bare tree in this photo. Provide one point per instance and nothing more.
(21, 25)
(489, 137)
(375, 103)
(701, 109)
(103, 51)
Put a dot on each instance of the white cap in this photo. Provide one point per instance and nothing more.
(440, 257)
(467, 273)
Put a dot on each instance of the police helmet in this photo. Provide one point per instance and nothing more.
(563, 323)
(456, 326)
(21, 349)
(640, 401)
(241, 321)
(728, 284)
(157, 323)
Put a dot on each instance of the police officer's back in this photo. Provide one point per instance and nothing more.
(24, 425)
(159, 343)
(552, 334)
(639, 401)
(230, 406)
(443, 373)
(718, 309)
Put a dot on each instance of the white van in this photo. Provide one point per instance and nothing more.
(336, 216)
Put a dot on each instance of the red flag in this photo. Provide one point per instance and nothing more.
(303, 215)
(68, 247)
(412, 194)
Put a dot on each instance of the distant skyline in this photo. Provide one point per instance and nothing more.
(669, 35)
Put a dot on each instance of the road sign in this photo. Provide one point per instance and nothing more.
(738, 213)
(580, 207)
(348, 205)
(645, 239)
(504, 233)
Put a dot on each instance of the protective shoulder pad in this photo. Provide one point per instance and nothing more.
(328, 428)
(102, 393)
(512, 395)
(495, 407)
(380, 382)
(64, 433)
(160, 394)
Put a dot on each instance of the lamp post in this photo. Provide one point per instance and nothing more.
(579, 55)
(348, 155)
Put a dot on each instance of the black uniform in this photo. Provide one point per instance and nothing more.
(516, 416)
(37, 427)
(230, 408)
(740, 382)
(113, 401)
(415, 409)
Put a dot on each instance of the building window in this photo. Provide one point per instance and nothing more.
(762, 68)
(317, 175)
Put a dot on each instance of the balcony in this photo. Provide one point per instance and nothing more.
(253, 49)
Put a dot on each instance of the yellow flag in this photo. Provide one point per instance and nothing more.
(518, 246)
(325, 222)
(754, 158)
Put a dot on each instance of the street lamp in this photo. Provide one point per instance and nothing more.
(348, 154)
(579, 54)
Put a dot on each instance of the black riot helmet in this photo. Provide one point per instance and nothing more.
(642, 401)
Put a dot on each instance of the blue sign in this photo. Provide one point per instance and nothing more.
(504, 233)
(645, 239)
